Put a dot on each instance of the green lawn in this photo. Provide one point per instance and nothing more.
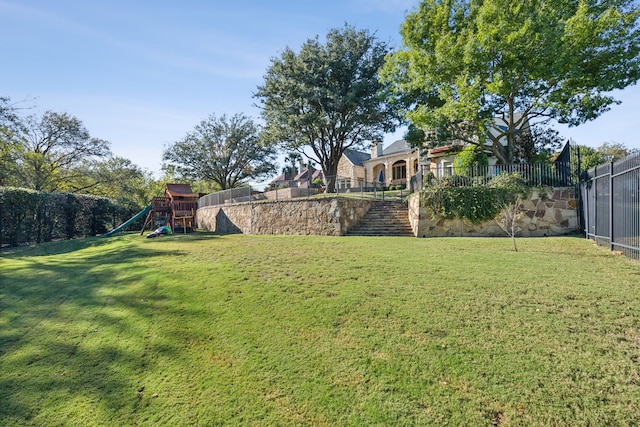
(204, 329)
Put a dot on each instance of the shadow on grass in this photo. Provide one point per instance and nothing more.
(55, 248)
(75, 327)
(73, 245)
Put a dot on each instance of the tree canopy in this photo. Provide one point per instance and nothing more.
(607, 152)
(54, 144)
(466, 62)
(54, 152)
(224, 150)
(470, 157)
(327, 97)
(115, 177)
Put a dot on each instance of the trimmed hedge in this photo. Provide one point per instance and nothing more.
(28, 216)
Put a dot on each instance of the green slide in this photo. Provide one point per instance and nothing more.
(130, 221)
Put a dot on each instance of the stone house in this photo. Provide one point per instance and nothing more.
(394, 165)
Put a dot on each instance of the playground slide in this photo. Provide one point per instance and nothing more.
(130, 221)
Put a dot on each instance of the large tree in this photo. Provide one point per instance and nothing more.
(327, 97)
(224, 150)
(115, 178)
(466, 62)
(10, 146)
(55, 144)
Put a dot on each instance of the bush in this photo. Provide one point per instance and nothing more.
(509, 181)
(448, 199)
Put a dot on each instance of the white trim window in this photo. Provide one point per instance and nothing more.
(399, 170)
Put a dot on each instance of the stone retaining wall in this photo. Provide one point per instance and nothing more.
(330, 216)
(550, 212)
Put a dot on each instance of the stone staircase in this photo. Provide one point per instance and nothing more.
(386, 218)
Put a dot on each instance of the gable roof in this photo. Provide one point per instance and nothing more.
(304, 174)
(400, 146)
(317, 174)
(280, 178)
(356, 157)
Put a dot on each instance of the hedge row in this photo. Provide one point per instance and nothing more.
(28, 216)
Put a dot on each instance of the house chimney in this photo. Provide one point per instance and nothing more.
(376, 149)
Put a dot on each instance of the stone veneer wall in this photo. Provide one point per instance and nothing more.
(348, 170)
(550, 212)
(330, 216)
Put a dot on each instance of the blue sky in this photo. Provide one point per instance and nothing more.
(142, 74)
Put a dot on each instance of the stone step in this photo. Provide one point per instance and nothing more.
(384, 219)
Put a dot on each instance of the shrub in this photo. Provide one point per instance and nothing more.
(509, 181)
(447, 199)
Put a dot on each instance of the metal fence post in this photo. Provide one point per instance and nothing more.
(611, 242)
(595, 203)
(540, 176)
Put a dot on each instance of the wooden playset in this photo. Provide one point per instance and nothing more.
(177, 209)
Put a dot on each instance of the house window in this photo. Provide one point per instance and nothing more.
(343, 184)
(400, 170)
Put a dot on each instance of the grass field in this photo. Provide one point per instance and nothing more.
(204, 329)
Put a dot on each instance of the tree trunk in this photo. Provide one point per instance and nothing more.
(330, 171)
(330, 183)
(499, 151)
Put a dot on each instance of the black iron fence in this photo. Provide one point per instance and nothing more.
(371, 189)
(555, 174)
(611, 204)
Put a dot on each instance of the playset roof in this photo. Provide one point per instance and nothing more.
(180, 190)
